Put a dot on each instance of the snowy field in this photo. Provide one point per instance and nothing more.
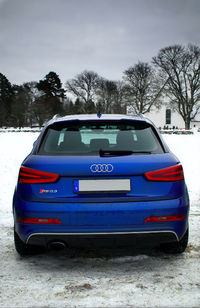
(101, 278)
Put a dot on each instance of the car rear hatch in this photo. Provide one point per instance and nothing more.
(98, 173)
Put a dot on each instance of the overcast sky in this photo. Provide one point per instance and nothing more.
(106, 36)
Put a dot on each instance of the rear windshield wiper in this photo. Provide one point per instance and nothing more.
(120, 152)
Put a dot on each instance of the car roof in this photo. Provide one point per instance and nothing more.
(98, 117)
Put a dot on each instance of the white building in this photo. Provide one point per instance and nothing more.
(166, 117)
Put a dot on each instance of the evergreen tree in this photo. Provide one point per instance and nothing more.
(52, 98)
(51, 86)
(20, 106)
(78, 107)
(6, 97)
(41, 111)
(70, 108)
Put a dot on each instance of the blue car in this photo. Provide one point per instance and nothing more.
(100, 181)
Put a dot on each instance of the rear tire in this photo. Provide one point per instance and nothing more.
(25, 249)
(176, 247)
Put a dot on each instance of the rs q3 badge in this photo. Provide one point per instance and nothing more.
(101, 168)
(47, 191)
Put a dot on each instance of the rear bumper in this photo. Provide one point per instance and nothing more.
(100, 239)
(117, 221)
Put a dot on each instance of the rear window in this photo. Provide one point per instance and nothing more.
(82, 138)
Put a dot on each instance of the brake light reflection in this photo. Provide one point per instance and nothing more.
(33, 220)
(165, 218)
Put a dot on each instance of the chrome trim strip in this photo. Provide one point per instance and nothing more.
(103, 233)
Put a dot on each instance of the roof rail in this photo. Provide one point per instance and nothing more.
(56, 116)
(141, 115)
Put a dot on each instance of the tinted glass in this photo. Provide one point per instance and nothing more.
(91, 137)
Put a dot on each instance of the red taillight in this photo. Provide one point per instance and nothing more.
(28, 175)
(165, 218)
(33, 220)
(174, 173)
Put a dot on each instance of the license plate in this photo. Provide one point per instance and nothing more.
(102, 186)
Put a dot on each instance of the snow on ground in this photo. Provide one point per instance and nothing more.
(102, 278)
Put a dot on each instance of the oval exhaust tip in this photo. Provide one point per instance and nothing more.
(56, 245)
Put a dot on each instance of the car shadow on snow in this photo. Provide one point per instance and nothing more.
(86, 255)
(100, 263)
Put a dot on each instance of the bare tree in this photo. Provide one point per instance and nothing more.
(181, 65)
(141, 87)
(119, 105)
(110, 96)
(33, 95)
(84, 86)
(106, 92)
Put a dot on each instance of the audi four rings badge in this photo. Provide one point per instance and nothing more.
(101, 168)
